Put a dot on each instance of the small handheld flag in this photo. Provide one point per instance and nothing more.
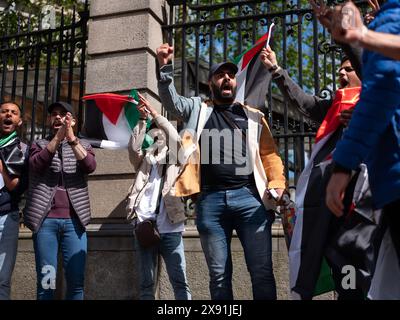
(110, 119)
(253, 79)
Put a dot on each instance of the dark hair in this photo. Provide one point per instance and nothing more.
(344, 59)
(153, 125)
(12, 102)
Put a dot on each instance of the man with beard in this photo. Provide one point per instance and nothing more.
(234, 179)
(315, 226)
(13, 156)
(57, 208)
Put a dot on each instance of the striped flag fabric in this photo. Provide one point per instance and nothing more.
(110, 119)
(358, 239)
(309, 274)
(253, 78)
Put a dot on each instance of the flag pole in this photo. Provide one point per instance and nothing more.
(269, 34)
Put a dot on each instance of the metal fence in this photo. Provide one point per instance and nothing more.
(43, 62)
(204, 32)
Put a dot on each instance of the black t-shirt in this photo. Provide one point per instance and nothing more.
(224, 164)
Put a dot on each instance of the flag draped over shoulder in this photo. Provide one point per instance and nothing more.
(253, 78)
(344, 100)
(309, 273)
(110, 119)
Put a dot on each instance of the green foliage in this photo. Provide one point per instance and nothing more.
(19, 13)
(24, 16)
(294, 52)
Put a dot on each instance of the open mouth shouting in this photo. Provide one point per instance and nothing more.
(226, 89)
(58, 124)
(343, 82)
(8, 125)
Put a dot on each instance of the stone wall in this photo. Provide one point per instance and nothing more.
(123, 36)
(111, 271)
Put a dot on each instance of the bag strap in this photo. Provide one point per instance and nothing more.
(233, 124)
(164, 170)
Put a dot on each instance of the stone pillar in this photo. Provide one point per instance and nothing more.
(123, 37)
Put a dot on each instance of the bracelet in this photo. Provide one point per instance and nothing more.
(144, 119)
(275, 73)
(273, 68)
(73, 142)
(276, 70)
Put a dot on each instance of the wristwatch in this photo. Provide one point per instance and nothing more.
(73, 142)
(273, 68)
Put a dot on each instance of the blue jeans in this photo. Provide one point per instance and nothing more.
(70, 236)
(172, 251)
(9, 226)
(218, 214)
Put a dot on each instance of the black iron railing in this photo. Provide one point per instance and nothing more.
(204, 32)
(40, 66)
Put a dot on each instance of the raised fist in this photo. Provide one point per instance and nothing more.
(164, 54)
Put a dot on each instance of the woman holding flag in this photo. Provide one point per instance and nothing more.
(151, 202)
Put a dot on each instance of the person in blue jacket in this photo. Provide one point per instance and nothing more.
(373, 135)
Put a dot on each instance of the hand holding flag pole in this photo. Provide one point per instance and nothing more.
(111, 118)
(144, 103)
(253, 82)
(148, 108)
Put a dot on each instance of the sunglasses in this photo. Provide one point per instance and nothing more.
(57, 113)
(347, 69)
(221, 74)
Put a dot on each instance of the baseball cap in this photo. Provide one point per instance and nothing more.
(66, 106)
(214, 68)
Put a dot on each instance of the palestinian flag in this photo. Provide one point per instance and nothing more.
(358, 238)
(253, 78)
(309, 273)
(110, 119)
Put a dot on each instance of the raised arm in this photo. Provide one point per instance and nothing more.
(174, 103)
(383, 43)
(311, 106)
(326, 15)
(84, 154)
(174, 139)
(136, 154)
(353, 31)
